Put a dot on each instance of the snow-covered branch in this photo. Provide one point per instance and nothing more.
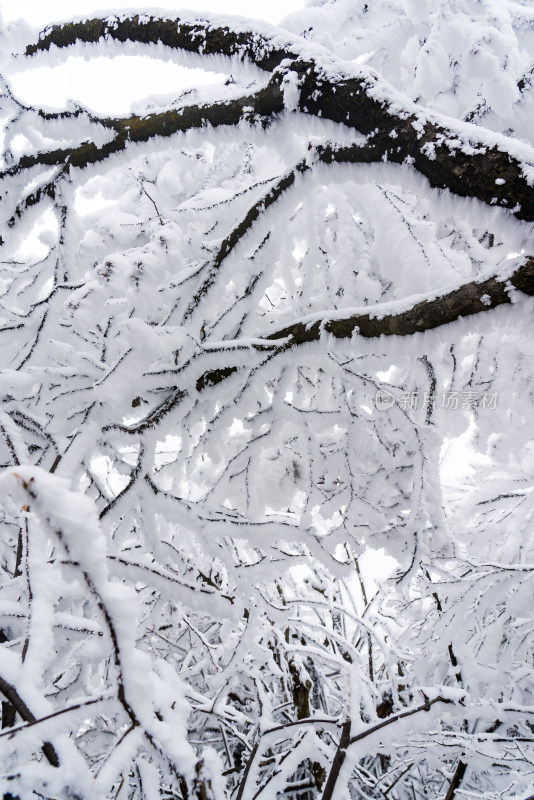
(267, 465)
(458, 158)
(470, 299)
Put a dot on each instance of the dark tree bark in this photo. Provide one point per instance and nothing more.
(470, 299)
(457, 778)
(337, 762)
(198, 36)
(456, 159)
(19, 706)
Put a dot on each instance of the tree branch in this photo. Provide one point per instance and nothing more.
(11, 694)
(395, 718)
(337, 761)
(465, 161)
(472, 298)
(237, 233)
(263, 104)
(450, 159)
(456, 780)
(195, 36)
(250, 761)
(53, 715)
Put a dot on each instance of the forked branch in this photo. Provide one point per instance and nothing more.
(464, 160)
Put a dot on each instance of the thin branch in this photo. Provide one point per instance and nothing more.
(11, 694)
(456, 780)
(38, 720)
(133, 477)
(265, 102)
(308, 721)
(152, 418)
(236, 234)
(145, 568)
(396, 717)
(397, 779)
(248, 767)
(337, 761)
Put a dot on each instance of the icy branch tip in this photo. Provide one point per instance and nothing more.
(25, 483)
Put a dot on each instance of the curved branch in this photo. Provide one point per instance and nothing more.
(263, 104)
(196, 35)
(35, 197)
(460, 160)
(472, 298)
(464, 159)
(152, 418)
(395, 718)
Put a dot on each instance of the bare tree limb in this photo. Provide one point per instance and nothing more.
(195, 36)
(237, 233)
(248, 767)
(446, 157)
(133, 129)
(39, 720)
(337, 762)
(472, 298)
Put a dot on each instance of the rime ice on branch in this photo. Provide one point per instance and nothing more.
(266, 501)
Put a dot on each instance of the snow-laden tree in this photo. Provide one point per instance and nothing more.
(280, 324)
